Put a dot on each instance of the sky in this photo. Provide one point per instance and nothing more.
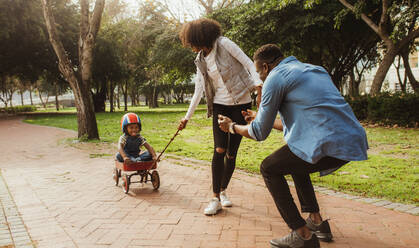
(182, 9)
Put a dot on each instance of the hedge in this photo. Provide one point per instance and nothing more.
(387, 109)
(18, 109)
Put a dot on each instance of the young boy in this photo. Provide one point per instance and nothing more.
(131, 141)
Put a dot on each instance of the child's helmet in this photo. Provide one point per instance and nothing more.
(130, 118)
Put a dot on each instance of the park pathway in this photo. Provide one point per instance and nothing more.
(56, 195)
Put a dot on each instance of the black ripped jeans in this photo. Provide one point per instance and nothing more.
(223, 164)
(283, 162)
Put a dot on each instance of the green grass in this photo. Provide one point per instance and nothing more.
(391, 172)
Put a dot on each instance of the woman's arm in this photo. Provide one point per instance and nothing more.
(238, 54)
(196, 98)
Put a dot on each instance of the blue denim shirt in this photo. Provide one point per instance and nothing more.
(317, 120)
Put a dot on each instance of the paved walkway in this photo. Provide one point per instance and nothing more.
(62, 198)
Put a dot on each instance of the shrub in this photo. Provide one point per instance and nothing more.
(18, 109)
(359, 106)
(388, 109)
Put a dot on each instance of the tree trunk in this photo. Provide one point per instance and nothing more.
(42, 100)
(80, 80)
(30, 95)
(57, 103)
(133, 98)
(111, 97)
(402, 83)
(118, 102)
(11, 98)
(125, 92)
(21, 97)
(382, 70)
(408, 71)
(154, 98)
(353, 85)
(99, 99)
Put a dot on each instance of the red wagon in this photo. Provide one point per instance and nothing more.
(146, 170)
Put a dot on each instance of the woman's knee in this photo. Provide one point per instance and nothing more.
(220, 150)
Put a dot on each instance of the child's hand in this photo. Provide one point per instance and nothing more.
(127, 160)
(155, 158)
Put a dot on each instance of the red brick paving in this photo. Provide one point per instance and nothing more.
(67, 199)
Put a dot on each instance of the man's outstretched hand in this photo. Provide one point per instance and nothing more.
(249, 115)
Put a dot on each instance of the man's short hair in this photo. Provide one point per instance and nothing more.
(200, 33)
(267, 53)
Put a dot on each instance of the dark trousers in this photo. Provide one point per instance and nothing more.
(283, 162)
(223, 164)
(145, 156)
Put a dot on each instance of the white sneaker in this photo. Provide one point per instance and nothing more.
(213, 207)
(225, 202)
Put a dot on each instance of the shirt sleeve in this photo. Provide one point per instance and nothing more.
(272, 96)
(238, 54)
(196, 98)
(122, 141)
(143, 140)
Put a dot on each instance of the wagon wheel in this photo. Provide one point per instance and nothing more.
(125, 183)
(116, 176)
(155, 179)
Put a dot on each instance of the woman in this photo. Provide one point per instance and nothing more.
(227, 76)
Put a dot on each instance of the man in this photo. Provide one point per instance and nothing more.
(321, 132)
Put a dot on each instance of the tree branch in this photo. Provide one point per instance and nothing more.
(65, 65)
(410, 36)
(369, 22)
(382, 26)
(84, 19)
(207, 5)
(96, 17)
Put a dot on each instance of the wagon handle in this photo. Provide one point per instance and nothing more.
(158, 158)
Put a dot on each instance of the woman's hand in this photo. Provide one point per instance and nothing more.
(182, 124)
(249, 115)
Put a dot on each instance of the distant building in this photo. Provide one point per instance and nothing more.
(391, 82)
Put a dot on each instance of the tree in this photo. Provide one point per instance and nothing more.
(396, 26)
(107, 69)
(79, 76)
(211, 5)
(23, 50)
(7, 88)
(355, 76)
(404, 53)
(108, 62)
(309, 34)
(402, 82)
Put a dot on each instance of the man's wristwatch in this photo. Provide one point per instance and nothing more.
(231, 128)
